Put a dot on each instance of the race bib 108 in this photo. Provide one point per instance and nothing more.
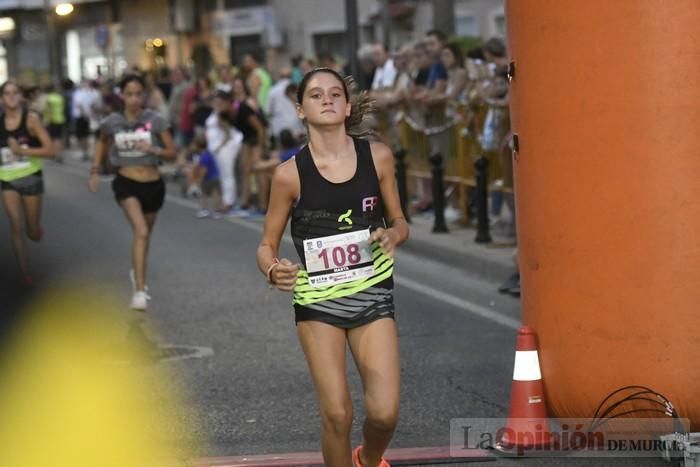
(338, 258)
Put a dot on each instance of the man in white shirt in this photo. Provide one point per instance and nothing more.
(385, 72)
(85, 100)
(281, 110)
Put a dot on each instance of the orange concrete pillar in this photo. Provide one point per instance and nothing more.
(606, 103)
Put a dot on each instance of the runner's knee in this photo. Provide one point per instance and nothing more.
(34, 233)
(338, 418)
(141, 232)
(383, 416)
(17, 229)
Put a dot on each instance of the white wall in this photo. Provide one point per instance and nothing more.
(484, 11)
(301, 19)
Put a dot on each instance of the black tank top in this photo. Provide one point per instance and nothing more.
(325, 208)
(21, 133)
(322, 202)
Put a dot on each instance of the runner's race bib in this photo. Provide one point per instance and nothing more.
(10, 160)
(338, 258)
(127, 142)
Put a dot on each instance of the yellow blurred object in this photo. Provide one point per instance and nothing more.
(74, 393)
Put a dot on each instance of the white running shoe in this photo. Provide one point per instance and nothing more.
(194, 192)
(202, 214)
(139, 301)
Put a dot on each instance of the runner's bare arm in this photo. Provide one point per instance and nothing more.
(285, 190)
(397, 233)
(168, 152)
(36, 128)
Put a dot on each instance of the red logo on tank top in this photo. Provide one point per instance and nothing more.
(369, 203)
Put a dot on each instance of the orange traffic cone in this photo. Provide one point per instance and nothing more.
(527, 427)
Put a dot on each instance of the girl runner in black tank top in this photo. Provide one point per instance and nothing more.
(346, 223)
(24, 142)
(316, 215)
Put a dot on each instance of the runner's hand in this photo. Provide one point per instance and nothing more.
(14, 145)
(284, 275)
(386, 238)
(144, 147)
(94, 182)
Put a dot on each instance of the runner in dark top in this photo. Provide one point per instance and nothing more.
(24, 143)
(346, 223)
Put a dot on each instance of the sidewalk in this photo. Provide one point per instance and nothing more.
(492, 262)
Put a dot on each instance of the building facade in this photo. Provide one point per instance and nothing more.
(105, 37)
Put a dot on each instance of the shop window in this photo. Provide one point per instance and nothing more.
(333, 43)
(232, 4)
(241, 45)
(466, 25)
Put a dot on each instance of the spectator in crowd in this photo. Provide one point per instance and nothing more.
(277, 92)
(392, 99)
(109, 101)
(164, 83)
(180, 82)
(297, 72)
(86, 100)
(495, 137)
(36, 100)
(203, 174)
(186, 123)
(155, 99)
(258, 80)
(452, 58)
(224, 142)
(511, 286)
(225, 74)
(67, 87)
(281, 111)
(437, 78)
(248, 122)
(55, 119)
(202, 104)
(366, 67)
(421, 64)
(289, 147)
(494, 51)
(385, 71)
(327, 60)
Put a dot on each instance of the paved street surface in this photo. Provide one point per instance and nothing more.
(248, 390)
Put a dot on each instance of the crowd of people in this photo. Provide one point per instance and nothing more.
(233, 125)
(237, 114)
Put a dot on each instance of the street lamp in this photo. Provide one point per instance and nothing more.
(63, 9)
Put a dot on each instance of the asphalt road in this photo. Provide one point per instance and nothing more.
(247, 385)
